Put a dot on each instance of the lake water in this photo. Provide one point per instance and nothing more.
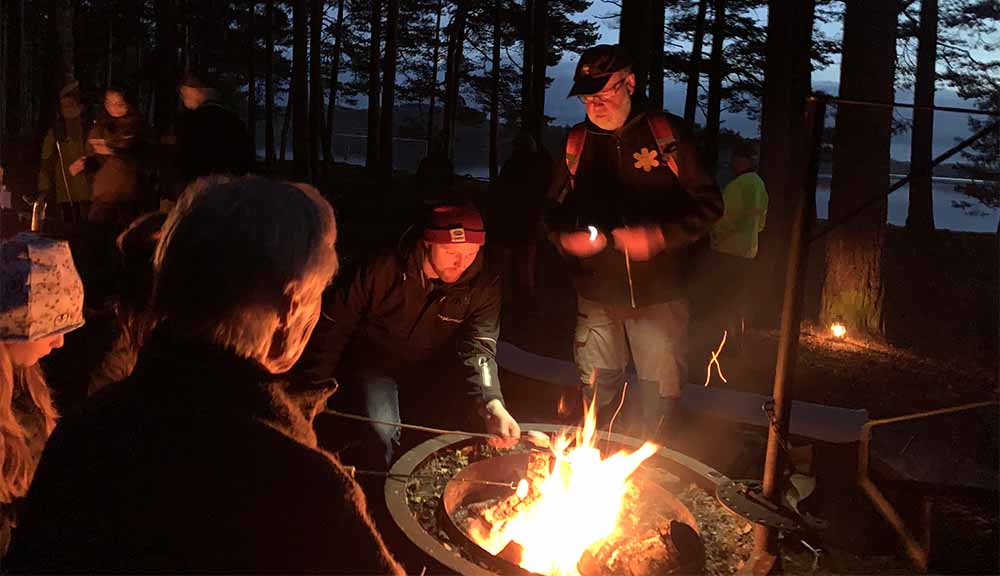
(947, 216)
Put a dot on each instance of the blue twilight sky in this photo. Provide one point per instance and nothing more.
(948, 126)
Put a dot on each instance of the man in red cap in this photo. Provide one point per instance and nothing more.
(630, 199)
(393, 332)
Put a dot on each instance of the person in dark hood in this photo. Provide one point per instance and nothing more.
(629, 200)
(392, 334)
(204, 460)
(211, 139)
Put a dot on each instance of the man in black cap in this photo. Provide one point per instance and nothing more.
(630, 199)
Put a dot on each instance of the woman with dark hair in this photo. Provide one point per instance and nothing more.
(37, 270)
(114, 148)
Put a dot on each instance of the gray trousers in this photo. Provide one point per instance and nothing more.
(657, 337)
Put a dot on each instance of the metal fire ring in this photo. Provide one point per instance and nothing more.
(686, 469)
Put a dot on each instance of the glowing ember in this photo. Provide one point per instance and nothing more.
(569, 510)
(838, 330)
(715, 360)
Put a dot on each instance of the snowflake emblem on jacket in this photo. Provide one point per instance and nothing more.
(645, 159)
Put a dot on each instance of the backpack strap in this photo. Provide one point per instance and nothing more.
(665, 141)
(574, 147)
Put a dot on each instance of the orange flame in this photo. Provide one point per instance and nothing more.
(577, 507)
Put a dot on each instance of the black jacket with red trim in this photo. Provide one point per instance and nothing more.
(622, 180)
(390, 316)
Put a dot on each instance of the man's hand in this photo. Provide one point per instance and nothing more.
(640, 242)
(77, 166)
(500, 423)
(583, 244)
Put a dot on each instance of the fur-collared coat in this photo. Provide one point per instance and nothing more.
(198, 462)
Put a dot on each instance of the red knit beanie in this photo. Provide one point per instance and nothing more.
(455, 225)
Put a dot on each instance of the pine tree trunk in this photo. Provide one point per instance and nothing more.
(166, 47)
(316, 87)
(434, 75)
(712, 118)
(538, 65)
(375, 39)
(694, 66)
(269, 86)
(634, 34)
(64, 18)
(453, 71)
(3, 82)
(920, 215)
(331, 111)
(15, 57)
(853, 291)
(389, 85)
(300, 90)
(286, 123)
(527, 58)
(786, 86)
(658, 9)
(495, 93)
(252, 77)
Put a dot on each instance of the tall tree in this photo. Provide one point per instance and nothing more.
(15, 58)
(252, 76)
(435, 58)
(786, 86)
(300, 90)
(853, 291)
(166, 49)
(656, 63)
(495, 92)
(375, 39)
(389, 84)
(543, 24)
(920, 213)
(527, 59)
(269, 85)
(714, 113)
(338, 38)
(64, 18)
(453, 72)
(694, 66)
(635, 35)
(316, 85)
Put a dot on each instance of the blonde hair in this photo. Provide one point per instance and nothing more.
(17, 463)
(229, 251)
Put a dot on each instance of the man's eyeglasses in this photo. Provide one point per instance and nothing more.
(604, 96)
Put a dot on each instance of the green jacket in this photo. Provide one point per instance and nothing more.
(743, 219)
(54, 173)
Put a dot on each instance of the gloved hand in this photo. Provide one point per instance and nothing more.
(500, 423)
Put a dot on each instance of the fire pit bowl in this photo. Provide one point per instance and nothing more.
(665, 468)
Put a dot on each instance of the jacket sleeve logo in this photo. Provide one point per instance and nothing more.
(645, 159)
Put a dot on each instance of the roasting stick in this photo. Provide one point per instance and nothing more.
(536, 438)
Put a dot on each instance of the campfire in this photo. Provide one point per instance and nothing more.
(575, 511)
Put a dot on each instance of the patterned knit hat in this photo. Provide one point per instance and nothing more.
(41, 294)
(455, 225)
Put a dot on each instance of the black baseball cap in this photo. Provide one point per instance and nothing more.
(596, 66)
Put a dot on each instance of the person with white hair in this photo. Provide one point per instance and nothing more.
(204, 459)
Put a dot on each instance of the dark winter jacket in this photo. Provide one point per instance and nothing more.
(199, 462)
(211, 140)
(516, 202)
(392, 317)
(117, 179)
(613, 188)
